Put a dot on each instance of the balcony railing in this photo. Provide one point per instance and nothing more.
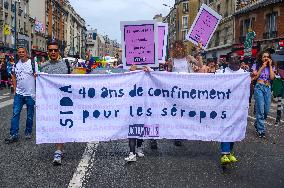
(271, 34)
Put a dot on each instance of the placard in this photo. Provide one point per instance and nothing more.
(162, 41)
(139, 43)
(204, 26)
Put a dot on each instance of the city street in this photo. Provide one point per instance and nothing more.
(195, 164)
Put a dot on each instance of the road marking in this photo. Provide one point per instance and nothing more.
(3, 97)
(270, 117)
(6, 93)
(86, 163)
(6, 103)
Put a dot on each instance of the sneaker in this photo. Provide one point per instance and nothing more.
(232, 158)
(277, 123)
(57, 158)
(139, 152)
(225, 160)
(11, 139)
(177, 143)
(261, 135)
(153, 144)
(28, 136)
(131, 157)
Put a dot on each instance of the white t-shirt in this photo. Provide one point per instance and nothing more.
(228, 70)
(181, 65)
(25, 78)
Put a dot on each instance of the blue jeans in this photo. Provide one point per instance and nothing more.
(19, 101)
(262, 97)
(226, 147)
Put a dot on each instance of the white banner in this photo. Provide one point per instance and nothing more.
(156, 105)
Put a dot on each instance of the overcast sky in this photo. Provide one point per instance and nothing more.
(105, 15)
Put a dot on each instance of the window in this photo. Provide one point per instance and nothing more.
(185, 22)
(217, 38)
(184, 33)
(185, 7)
(247, 24)
(271, 20)
(226, 35)
(12, 22)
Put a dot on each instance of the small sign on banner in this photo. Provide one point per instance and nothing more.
(162, 41)
(204, 26)
(139, 43)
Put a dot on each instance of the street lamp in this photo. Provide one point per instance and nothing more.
(15, 26)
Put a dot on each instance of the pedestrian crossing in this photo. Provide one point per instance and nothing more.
(6, 100)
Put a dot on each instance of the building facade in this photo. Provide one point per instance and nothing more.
(74, 32)
(92, 43)
(16, 25)
(186, 11)
(56, 16)
(171, 20)
(265, 18)
(38, 27)
(223, 39)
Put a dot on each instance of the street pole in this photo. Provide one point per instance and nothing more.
(15, 29)
(73, 46)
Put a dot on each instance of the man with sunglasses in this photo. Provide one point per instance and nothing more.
(55, 65)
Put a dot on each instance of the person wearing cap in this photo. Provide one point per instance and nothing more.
(23, 80)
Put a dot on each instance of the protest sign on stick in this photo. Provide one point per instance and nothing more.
(204, 26)
(139, 43)
(162, 41)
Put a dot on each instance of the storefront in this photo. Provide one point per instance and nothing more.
(239, 49)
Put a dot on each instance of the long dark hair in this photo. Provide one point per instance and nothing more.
(259, 61)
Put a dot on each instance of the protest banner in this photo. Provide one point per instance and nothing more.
(162, 41)
(84, 108)
(139, 43)
(204, 26)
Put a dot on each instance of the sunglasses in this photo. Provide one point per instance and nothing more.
(51, 50)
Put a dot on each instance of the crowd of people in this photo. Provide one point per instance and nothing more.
(22, 74)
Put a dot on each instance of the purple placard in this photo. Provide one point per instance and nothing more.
(204, 26)
(161, 41)
(139, 44)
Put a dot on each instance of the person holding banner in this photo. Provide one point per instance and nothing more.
(181, 62)
(134, 142)
(234, 66)
(55, 65)
(263, 73)
(23, 79)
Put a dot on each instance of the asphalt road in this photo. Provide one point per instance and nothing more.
(195, 164)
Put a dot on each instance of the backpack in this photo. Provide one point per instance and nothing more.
(68, 66)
